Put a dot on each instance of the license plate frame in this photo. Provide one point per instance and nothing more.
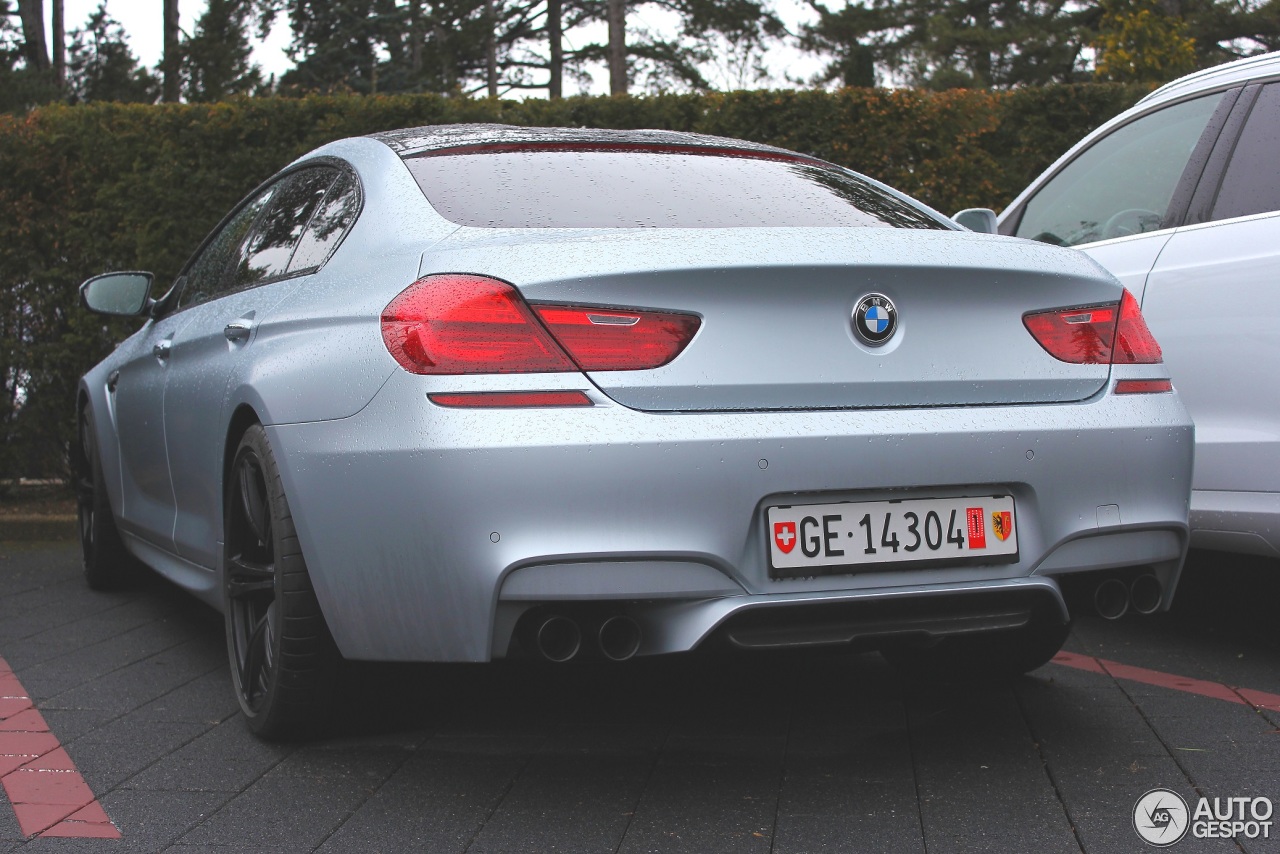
(848, 537)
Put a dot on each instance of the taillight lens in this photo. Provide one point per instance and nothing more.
(454, 323)
(606, 340)
(1135, 345)
(466, 324)
(1096, 335)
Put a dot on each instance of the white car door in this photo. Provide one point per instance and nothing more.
(1213, 302)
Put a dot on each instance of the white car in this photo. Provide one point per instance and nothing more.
(1179, 197)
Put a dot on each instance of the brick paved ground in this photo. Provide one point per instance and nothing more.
(699, 754)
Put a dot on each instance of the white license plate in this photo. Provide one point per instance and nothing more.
(807, 539)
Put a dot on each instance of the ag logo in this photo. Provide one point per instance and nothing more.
(874, 319)
(784, 534)
(1161, 818)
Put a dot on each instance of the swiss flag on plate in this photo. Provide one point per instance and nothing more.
(784, 534)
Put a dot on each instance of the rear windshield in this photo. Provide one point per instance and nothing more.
(562, 186)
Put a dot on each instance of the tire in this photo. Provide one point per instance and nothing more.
(107, 564)
(998, 655)
(284, 662)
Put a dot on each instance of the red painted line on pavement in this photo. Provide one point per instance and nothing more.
(48, 794)
(1258, 700)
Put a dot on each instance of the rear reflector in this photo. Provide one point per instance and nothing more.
(1143, 386)
(495, 399)
(466, 324)
(610, 340)
(1096, 335)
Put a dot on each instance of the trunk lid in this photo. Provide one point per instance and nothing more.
(777, 309)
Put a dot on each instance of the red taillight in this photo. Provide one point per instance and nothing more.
(1096, 335)
(1135, 345)
(455, 323)
(509, 399)
(465, 324)
(610, 340)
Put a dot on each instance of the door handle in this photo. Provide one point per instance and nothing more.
(161, 349)
(238, 330)
(113, 379)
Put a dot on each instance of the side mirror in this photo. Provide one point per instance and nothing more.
(981, 220)
(120, 294)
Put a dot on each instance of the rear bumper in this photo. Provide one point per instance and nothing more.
(1245, 522)
(428, 531)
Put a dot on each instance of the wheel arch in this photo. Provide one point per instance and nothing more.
(75, 453)
(244, 417)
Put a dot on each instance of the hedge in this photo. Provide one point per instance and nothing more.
(101, 187)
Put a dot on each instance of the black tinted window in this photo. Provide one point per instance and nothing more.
(329, 225)
(266, 254)
(1252, 182)
(208, 276)
(550, 187)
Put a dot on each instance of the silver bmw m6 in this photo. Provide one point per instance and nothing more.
(463, 393)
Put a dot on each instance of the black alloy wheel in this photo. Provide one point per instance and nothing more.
(107, 565)
(283, 659)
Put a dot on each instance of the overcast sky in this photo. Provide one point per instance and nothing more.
(142, 22)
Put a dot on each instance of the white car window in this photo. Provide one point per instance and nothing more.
(1251, 184)
(1121, 184)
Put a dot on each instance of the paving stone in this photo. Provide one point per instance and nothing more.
(116, 752)
(226, 758)
(437, 801)
(834, 812)
(154, 819)
(299, 803)
(707, 799)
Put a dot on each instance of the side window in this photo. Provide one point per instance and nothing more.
(1251, 183)
(1121, 184)
(206, 278)
(329, 225)
(266, 254)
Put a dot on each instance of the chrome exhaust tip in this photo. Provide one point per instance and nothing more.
(558, 639)
(1111, 599)
(1146, 594)
(619, 638)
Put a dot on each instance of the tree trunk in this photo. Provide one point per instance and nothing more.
(59, 45)
(617, 10)
(415, 39)
(555, 39)
(33, 44)
(448, 73)
(491, 47)
(172, 61)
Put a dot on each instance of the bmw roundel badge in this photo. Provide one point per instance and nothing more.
(875, 319)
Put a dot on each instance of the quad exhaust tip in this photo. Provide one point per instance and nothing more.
(559, 639)
(619, 638)
(1111, 599)
(1114, 597)
(1146, 594)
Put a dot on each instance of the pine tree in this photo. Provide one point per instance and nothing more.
(215, 58)
(102, 67)
(948, 43)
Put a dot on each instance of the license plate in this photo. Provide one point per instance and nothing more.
(817, 539)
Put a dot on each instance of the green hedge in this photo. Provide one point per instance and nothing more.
(110, 186)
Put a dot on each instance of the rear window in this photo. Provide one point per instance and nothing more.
(561, 186)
